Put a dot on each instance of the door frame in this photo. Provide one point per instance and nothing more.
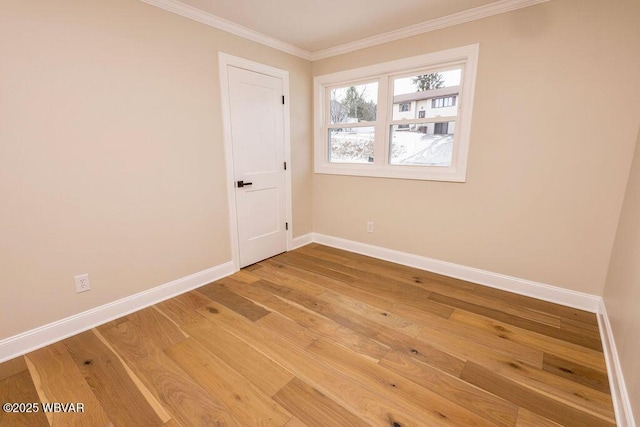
(224, 61)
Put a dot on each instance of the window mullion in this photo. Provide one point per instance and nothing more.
(352, 125)
(424, 120)
(379, 150)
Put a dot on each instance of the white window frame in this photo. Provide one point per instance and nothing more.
(466, 56)
(327, 95)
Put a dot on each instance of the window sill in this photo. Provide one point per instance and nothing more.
(435, 173)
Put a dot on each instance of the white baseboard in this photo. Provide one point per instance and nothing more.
(300, 241)
(516, 285)
(619, 394)
(580, 300)
(36, 338)
(23, 343)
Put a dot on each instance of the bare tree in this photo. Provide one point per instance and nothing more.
(337, 111)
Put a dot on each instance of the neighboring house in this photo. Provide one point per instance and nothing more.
(427, 104)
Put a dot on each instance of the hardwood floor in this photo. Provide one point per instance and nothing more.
(324, 337)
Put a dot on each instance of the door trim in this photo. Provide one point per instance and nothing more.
(224, 61)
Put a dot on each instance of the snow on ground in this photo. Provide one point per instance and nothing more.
(416, 148)
(352, 146)
(407, 148)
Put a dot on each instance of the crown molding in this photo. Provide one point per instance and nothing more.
(190, 12)
(496, 8)
(214, 21)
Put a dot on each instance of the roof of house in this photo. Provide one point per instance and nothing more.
(426, 94)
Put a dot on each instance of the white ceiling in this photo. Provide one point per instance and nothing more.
(314, 29)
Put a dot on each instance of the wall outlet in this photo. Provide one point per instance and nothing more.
(369, 226)
(82, 283)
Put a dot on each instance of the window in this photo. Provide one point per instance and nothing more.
(406, 119)
(352, 119)
(449, 101)
(429, 142)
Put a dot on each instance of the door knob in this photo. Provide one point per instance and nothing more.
(243, 184)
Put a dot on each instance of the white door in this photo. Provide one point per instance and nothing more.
(257, 135)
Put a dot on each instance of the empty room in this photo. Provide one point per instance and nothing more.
(407, 213)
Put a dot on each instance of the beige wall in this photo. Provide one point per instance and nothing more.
(111, 152)
(622, 291)
(557, 108)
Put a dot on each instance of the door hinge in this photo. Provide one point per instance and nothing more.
(285, 165)
(286, 225)
(282, 99)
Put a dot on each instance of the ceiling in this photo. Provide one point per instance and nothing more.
(312, 27)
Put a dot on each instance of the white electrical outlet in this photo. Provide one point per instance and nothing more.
(82, 283)
(369, 226)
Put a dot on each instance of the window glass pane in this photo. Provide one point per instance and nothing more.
(353, 104)
(424, 144)
(433, 93)
(351, 145)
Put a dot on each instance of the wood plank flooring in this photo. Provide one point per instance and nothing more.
(323, 337)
